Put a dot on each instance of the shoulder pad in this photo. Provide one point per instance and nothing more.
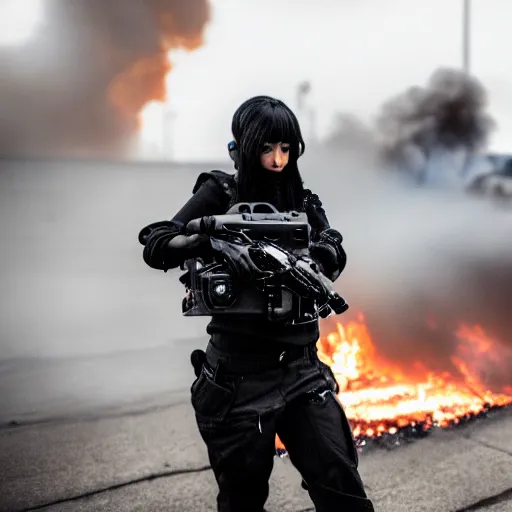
(225, 180)
(311, 200)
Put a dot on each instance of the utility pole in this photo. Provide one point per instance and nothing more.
(303, 89)
(466, 64)
(466, 36)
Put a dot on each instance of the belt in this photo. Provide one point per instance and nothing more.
(251, 362)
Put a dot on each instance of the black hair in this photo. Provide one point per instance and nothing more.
(261, 120)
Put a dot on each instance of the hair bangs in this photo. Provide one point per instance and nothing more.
(279, 127)
(272, 124)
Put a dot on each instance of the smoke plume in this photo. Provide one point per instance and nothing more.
(425, 265)
(422, 264)
(447, 114)
(80, 84)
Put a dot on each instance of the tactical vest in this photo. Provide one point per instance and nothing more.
(225, 180)
(228, 183)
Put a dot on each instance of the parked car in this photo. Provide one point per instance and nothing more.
(494, 180)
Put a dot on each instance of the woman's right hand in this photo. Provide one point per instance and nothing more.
(190, 246)
(181, 242)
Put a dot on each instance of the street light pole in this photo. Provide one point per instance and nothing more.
(308, 113)
(466, 63)
(466, 46)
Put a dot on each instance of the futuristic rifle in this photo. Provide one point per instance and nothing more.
(287, 285)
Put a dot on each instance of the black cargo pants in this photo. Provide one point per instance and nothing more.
(240, 405)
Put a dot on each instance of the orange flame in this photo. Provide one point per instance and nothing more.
(177, 25)
(141, 83)
(380, 397)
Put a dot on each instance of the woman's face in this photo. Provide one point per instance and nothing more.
(274, 157)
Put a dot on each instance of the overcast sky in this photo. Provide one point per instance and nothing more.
(355, 53)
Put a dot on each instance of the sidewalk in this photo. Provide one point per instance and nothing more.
(155, 461)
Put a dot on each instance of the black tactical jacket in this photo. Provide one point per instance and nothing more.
(214, 194)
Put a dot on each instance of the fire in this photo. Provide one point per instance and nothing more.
(143, 82)
(380, 397)
(143, 79)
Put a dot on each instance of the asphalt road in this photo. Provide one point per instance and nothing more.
(153, 460)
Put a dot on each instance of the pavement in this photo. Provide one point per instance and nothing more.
(152, 459)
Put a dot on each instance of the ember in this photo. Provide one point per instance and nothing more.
(386, 403)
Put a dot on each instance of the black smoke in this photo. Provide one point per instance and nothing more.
(448, 114)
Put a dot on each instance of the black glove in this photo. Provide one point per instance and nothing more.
(324, 255)
(237, 258)
(190, 246)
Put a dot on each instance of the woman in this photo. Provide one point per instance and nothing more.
(261, 377)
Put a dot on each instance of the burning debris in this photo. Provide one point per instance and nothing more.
(81, 83)
(389, 404)
(446, 116)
